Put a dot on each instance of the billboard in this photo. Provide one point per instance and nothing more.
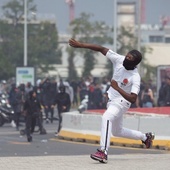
(25, 75)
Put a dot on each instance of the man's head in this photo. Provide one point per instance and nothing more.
(132, 59)
(32, 94)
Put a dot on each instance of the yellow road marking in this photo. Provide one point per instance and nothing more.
(19, 143)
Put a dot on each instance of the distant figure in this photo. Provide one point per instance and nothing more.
(97, 97)
(63, 103)
(164, 93)
(49, 90)
(32, 108)
(28, 87)
(147, 97)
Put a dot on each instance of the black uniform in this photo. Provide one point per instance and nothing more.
(49, 89)
(32, 107)
(63, 104)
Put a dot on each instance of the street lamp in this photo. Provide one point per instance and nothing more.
(139, 25)
(139, 34)
(25, 33)
(115, 26)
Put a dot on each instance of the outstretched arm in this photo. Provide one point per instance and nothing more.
(94, 47)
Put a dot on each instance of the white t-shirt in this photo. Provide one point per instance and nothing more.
(128, 80)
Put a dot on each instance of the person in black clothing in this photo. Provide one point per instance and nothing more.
(49, 89)
(83, 91)
(97, 97)
(147, 97)
(21, 97)
(166, 93)
(161, 95)
(32, 107)
(16, 100)
(63, 104)
(12, 98)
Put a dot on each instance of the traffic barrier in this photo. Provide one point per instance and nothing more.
(86, 128)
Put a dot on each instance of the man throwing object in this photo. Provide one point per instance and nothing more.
(124, 88)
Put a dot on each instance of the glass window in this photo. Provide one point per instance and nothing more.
(155, 39)
(167, 40)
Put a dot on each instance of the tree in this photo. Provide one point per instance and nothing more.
(14, 10)
(72, 74)
(148, 72)
(93, 32)
(126, 41)
(43, 47)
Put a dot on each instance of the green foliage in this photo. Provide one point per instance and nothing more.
(98, 33)
(42, 43)
(126, 40)
(72, 74)
(89, 63)
(14, 10)
(43, 50)
(148, 72)
(91, 32)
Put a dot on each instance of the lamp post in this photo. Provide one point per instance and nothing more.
(139, 25)
(139, 33)
(25, 32)
(115, 26)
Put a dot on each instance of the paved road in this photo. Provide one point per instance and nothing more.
(13, 144)
(49, 153)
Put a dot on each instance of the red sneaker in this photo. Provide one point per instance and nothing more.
(100, 156)
(150, 137)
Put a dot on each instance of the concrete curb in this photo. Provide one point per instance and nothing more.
(86, 128)
(89, 138)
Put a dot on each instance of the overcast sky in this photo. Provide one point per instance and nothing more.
(101, 9)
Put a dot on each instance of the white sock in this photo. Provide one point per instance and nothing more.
(105, 150)
(144, 137)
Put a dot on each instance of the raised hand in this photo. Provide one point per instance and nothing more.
(74, 43)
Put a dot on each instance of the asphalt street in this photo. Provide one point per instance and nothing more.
(14, 144)
(49, 152)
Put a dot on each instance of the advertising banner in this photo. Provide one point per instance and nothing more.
(25, 75)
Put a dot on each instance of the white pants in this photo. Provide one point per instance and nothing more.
(112, 122)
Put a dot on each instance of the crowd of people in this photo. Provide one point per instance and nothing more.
(49, 94)
(31, 102)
